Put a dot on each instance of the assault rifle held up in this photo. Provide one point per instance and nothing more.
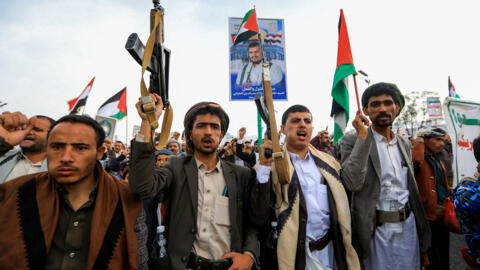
(155, 58)
(159, 65)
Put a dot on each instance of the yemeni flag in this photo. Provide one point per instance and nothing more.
(76, 105)
(116, 106)
(248, 28)
(451, 89)
(345, 68)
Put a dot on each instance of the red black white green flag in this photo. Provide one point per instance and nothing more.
(345, 68)
(116, 106)
(76, 105)
(248, 28)
(451, 89)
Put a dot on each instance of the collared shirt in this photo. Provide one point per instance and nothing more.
(316, 200)
(212, 239)
(394, 183)
(23, 167)
(71, 241)
(397, 241)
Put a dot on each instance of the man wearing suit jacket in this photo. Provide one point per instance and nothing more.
(206, 199)
(390, 229)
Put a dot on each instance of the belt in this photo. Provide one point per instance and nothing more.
(393, 216)
(200, 263)
(321, 243)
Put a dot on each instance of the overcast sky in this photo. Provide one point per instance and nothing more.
(50, 50)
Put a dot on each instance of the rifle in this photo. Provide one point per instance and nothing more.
(263, 110)
(278, 158)
(155, 58)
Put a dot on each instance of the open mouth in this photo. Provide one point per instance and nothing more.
(302, 134)
(207, 141)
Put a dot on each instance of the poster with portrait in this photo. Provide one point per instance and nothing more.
(108, 124)
(245, 60)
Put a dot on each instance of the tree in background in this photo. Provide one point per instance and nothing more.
(414, 113)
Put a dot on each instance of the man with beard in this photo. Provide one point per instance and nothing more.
(390, 229)
(322, 143)
(30, 157)
(431, 176)
(75, 216)
(115, 157)
(251, 73)
(207, 223)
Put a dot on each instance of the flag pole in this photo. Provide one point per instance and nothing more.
(126, 129)
(356, 92)
(259, 128)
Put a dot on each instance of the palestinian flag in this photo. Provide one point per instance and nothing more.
(451, 89)
(345, 68)
(116, 106)
(76, 105)
(248, 28)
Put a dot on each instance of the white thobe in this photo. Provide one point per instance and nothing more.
(395, 245)
(316, 200)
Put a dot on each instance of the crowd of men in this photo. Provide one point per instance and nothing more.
(71, 199)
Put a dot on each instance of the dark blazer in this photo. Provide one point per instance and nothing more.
(176, 184)
(361, 174)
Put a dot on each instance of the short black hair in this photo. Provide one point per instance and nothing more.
(294, 109)
(253, 44)
(379, 89)
(51, 120)
(476, 148)
(82, 119)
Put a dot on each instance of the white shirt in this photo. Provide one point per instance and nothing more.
(23, 167)
(316, 200)
(395, 245)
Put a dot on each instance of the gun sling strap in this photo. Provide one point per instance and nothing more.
(278, 158)
(156, 36)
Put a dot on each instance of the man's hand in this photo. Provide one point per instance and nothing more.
(158, 107)
(14, 127)
(125, 152)
(240, 261)
(145, 128)
(266, 144)
(241, 133)
(360, 123)
(424, 260)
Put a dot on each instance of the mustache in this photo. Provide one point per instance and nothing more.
(383, 114)
(66, 167)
